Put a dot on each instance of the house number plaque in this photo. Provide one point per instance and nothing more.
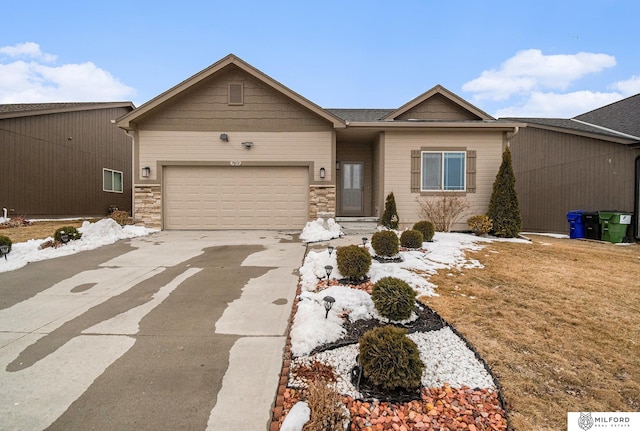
(235, 162)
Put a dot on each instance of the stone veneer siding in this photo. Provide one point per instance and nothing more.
(322, 201)
(148, 206)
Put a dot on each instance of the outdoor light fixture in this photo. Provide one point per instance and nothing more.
(330, 249)
(323, 173)
(224, 137)
(337, 166)
(4, 250)
(364, 241)
(247, 145)
(328, 303)
(328, 269)
(64, 237)
(146, 171)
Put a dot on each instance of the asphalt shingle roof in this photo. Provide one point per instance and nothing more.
(566, 123)
(623, 116)
(357, 115)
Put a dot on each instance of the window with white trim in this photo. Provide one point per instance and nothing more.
(111, 181)
(443, 171)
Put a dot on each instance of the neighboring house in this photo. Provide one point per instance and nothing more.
(589, 163)
(64, 159)
(232, 148)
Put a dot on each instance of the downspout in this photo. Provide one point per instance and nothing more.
(636, 200)
(510, 135)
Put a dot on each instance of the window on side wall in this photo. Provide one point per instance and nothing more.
(443, 171)
(111, 181)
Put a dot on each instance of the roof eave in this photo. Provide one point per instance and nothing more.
(619, 140)
(413, 125)
(100, 105)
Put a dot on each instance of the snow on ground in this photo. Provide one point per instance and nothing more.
(94, 235)
(321, 230)
(448, 358)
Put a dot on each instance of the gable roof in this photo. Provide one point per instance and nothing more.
(30, 109)
(622, 116)
(438, 89)
(126, 120)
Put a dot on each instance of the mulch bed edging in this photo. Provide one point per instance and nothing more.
(439, 407)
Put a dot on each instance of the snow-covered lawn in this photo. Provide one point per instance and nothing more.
(94, 235)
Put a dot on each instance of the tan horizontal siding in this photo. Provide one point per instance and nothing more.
(274, 147)
(397, 168)
(206, 108)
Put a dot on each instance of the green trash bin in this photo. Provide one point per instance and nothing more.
(614, 225)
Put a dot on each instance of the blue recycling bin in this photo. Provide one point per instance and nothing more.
(576, 224)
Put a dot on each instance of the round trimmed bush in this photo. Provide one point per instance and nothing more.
(480, 224)
(411, 239)
(71, 232)
(385, 243)
(353, 261)
(390, 359)
(426, 228)
(393, 298)
(5, 240)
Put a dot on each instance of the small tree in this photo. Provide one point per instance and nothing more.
(503, 206)
(390, 217)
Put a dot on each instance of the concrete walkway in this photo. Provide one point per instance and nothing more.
(177, 330)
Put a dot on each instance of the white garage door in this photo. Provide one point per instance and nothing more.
(205, 197)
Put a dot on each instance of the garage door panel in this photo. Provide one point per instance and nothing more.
(198, 197)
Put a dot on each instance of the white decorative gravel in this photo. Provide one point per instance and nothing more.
(446, 357)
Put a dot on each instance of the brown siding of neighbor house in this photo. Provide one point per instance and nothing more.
(206, 107)
(51, 165)
(559, 172)
(437, 107)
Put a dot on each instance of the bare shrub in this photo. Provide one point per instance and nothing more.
(443, 210)
(121, 217)
(327, 409)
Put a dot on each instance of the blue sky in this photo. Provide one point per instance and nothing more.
(510, 58)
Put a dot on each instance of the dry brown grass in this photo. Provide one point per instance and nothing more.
(38, 230)
(557, 320)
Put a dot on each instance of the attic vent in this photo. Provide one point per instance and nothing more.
(236, 93)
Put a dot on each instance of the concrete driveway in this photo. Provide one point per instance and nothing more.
(176, 330)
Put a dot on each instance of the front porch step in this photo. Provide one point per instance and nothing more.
(358, 225)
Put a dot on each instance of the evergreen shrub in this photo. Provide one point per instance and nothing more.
(390, 359)
(385, 243)
(72, 233)
(353, 261)
(5, 240)
(393, 298)
(411, 239)
(426, 228)
(504, 211)
(390, 217)
(480, 224)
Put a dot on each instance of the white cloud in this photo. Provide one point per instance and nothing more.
(558, 105)
(28, 50)
(531, 70)
(628, 87)
(29, 78)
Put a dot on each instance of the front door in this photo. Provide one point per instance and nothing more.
(352, 188)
